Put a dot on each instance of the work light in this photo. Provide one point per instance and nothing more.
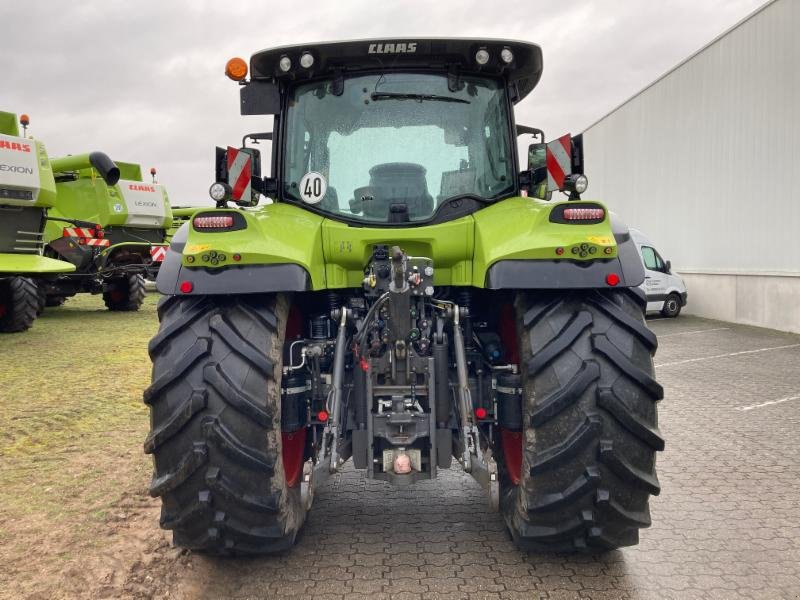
(482, 56)
(306, 60)
(219, 191)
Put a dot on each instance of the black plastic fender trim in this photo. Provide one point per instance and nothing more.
(245, 279)
(551, 274)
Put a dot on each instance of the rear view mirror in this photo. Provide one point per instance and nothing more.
(669, 267)
(537, 166)
(255, 165)
(260, 98)
(537, 156)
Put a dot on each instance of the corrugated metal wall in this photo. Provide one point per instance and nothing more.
(705, 160)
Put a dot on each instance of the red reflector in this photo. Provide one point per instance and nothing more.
(99, 233)
(480, 413)
(612, 279)
(583, 214)
(322, 415)
(186, 287)
(215, 222)
(237, 257)
(559, 251)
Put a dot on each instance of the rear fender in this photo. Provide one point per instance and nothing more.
(519, 246)
(278, 247)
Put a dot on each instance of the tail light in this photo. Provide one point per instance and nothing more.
(584, 214)
(215, 222)
(218, 221)
(578, 213)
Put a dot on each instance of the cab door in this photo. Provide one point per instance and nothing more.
(655, 278)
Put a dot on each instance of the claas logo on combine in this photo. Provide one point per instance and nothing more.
(141, 188)
(15, 146)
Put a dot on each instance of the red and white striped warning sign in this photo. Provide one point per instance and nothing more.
(78, 232)
(85, 236)
(239, 173)
(157, 253)
(559, 162)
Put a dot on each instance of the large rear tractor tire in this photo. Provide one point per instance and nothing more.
(215, 406)
(19, 304)
(126, 294)
(589, 420)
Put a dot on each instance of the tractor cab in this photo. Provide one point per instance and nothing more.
(403, 131)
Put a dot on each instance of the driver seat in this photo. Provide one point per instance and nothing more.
(398, 183)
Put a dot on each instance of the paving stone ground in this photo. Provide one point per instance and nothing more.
(726, 525)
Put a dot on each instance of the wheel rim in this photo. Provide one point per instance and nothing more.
(294, 442)
(510, 440)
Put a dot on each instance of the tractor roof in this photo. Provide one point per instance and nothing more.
(434, 54)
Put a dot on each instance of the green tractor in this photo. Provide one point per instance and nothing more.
(408, 298)
(27, 190)
(113, 229)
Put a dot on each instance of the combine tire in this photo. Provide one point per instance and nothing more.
(54, 301)
(41, 299)
(48, 301)
(216, 425)
(589, 423)
(19, 303)
(125, 294)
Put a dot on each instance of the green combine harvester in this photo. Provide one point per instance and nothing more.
(409, 297)
(180, 214)
(114, 232)
(27, 191)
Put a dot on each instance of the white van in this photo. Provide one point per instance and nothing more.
(666, 292)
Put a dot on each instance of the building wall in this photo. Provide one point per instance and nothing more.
(705, 162)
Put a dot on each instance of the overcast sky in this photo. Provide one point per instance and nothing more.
(143, 81)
